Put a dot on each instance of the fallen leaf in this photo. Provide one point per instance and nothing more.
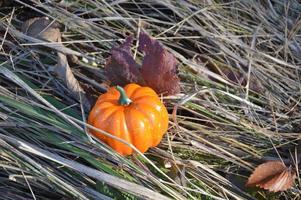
(158, 70)
(45, 29)
(42, 28)
(5, 3)
(273, 176)
(121, 68)
(159, 67)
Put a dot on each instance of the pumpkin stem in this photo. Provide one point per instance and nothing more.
(123, 99)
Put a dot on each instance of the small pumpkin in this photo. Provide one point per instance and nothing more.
(134, 114)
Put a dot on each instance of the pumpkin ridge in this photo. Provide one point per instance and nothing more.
(101, 111)
(112, 130)
(144, 96)
(146, 115)
(126, 127)
(113, 101)
(116, 131)
(160, 131)
(124, 134)
(100, 107)
(130, 93)
(131, 115)
(143, 93)
(154, 102)
(100, 125)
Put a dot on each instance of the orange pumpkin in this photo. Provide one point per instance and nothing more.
(134, 114)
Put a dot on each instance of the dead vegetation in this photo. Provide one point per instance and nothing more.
(239, 105)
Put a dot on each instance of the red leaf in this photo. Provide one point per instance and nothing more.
(121, 68)
(273, 176)
(158, 71)
(159, 67)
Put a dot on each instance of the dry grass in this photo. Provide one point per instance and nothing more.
(220, 127)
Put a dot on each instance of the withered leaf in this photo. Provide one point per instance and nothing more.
(273, 176)
(158, 71)
(5, 3)
(45, 29)
(121, 68)
(159, 67)
(42, 28)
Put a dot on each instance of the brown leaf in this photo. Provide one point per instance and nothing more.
(45, 29)
(159, 67)
(273, 176)
(5, 3)
(42, 28)
(121, 68)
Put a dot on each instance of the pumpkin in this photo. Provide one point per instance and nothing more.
(134, 114)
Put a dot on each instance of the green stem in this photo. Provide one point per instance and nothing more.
(123, 99)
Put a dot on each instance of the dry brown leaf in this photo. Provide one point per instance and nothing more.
(45, 29)
(42, 28)
(5, 3)
(273, 176)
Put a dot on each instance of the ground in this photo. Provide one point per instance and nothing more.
(238, 105)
